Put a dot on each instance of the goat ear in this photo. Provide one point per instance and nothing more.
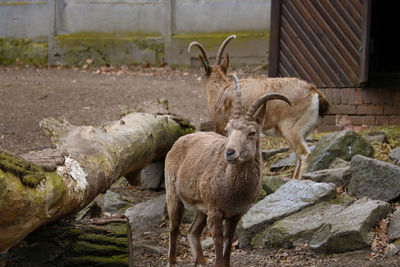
(206, 66)
(225, 63)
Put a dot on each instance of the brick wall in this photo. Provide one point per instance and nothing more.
(359, 108)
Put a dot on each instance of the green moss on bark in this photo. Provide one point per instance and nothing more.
(30, 174)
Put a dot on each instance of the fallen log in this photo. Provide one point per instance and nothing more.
(43, 186)
(95, 242)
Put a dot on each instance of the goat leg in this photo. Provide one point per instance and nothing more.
(229, 231)
(195, 231)
(175, 213)
(215, 223)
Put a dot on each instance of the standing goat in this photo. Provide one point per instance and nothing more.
(217, 176)
(277, 119)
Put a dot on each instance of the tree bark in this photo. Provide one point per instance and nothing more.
(43, 186)
(95, 242)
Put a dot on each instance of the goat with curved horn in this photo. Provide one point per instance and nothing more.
(217, 177)
(222, 48)
(293, 123)
(202, 50)
(261, 101)
(204, 58)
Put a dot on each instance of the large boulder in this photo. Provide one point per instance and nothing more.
(338, 176)
(349, 229)
(296, 229)
(394, 226)
(114, 203)
(143, 215)
(152, 176)
(344, 145)
(395, 156)
(291, 197)
(374, 179)
(272, 183)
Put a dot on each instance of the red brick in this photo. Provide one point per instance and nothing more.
(329, 120)
(394, 120)
(344, 95)
(342, 109)
(358, 97)
(391, 109)
(328, 128)
(329, 95)
(366, 95)
(369, 120)
(369, 109)
(357, 120)
(376, 96)
(343, 120)
(336, 96)
(382, 120)
(352, 96)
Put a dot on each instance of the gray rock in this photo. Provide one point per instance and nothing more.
(207, 243)
(288, 199)
(266, 154)
(296, 229)
(114, 204)
(344, 145)
(395, 156)
(375, 137)
(338, 176)
(272, 183)
(339, 163)
(121, 182)
(289, 161)
(394, 226)
(152, 176)
(374, 179)
(392, 250)
(144, 214)
(93, 210)
(348, 229)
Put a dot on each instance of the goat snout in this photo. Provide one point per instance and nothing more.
(230, 155)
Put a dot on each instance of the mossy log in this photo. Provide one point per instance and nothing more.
(98, 242)
(43, 186)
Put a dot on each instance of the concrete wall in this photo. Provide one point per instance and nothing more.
(24, 19)
(154, 31)
(221, 15)
(111, 16)
(30, 18)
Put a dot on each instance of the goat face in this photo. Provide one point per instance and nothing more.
(242, 141)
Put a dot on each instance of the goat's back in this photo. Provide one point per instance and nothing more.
(307, 102)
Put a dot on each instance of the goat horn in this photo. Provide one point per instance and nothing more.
(262, 100)
(222, 48)
(238, 98)
(203, 52)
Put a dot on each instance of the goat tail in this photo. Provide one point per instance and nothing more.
(323, 104)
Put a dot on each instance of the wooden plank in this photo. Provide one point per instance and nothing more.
(273, 60)
(364, 49)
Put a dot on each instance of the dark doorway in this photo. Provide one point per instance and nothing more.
(384, 65)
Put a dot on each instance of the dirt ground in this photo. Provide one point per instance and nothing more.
(94, 96)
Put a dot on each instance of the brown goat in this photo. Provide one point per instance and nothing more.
(277, 119)
(218, 177)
